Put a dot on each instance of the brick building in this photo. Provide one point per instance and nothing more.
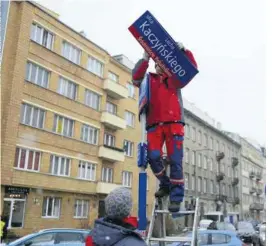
(68, 112)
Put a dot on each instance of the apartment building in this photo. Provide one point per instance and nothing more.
(69, 124)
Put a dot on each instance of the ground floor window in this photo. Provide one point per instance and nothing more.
(51, 207)
(81, 209)
(13, 212)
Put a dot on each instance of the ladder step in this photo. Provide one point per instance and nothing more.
(168, 212)
(171, 239)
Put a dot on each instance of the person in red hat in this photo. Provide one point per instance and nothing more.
(165, 123)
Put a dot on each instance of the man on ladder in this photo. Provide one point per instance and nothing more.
(164, 123)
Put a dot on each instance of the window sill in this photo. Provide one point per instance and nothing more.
(49, 217)
(128, 156)
(28, 81)
(80, 218)
(26, 170)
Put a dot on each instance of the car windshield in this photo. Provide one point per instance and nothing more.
(20, 239)
(225, 226)
(245, 226)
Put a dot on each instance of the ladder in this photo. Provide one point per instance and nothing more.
(160, 211)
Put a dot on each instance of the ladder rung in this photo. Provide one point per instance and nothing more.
(180, 212)
(171, 239)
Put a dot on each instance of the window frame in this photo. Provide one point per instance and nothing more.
(127, 116)
(18, 155)
(23, 118)
(46, 216)
(65, 120)
(82, 201)
(129, 151)
(38, 68)
(88, 99)
(67, 162)
(111, 138)
(40, 42)
(92, 61)
(63, 88)
(129, 86)
(109, 106)
(127, 177)
(92, 134)
(71, 50)
(88, 165)
(109, 175)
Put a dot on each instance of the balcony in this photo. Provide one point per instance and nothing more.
(221, 198)
(111, 154)
(113, 121)
(252, 190)
(106, 188)
(251, 174)
(259, 192)
(258, 176)
(236, 200)
(115, 90)
(234, 161)
(256, 206)
(235, 181)
(220, 156)
(220, 177)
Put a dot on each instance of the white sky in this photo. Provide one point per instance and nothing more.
(227, 38)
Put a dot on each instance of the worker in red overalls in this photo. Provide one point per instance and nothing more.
(165, 123)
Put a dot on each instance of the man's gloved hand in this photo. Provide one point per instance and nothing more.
(181, 46)
(146, 56)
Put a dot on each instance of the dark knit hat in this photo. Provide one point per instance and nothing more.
(118, 203)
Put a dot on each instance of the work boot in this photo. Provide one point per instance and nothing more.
(174, 207)
(163, 191)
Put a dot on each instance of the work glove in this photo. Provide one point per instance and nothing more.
(181, 46)
(146, 56)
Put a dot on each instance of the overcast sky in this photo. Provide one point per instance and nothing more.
(227, 38)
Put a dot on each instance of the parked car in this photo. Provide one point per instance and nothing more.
(262, 234)
(226, 226)
(67, 237)
(247, 233)
(213, 237)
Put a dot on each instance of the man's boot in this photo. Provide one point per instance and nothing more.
(162, 192)
(174, 207)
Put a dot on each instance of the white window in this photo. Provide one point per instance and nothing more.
(204, 185)
(205, 162)
(63, 126)
(59, 166)
(127, 179)
(208, 186)
(186, 178)
(131, 90)
(199, 160)
(92, 99)
(111, 108)
(107, 175)
(199, 184)
(86, 170)
(199, 137)
(81, 209)
(222, 167)
(89, 134)
(211, 164)
(51, 207)
(37, 75)
(193, 160)
(67, 88)
(224, 189)
(109, 140)
(187, 155)
(187, 131)
(212, 187)
(42, 36)
(193, 133)
(27, 159)
(205, 140)
(95, 66)
(217, 146)
(129, 146)
(211, 143)
(113, 77)
(193, 182)
(70, 52)
(130, 118)
(32, 116)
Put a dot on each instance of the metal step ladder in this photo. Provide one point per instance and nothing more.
(160, 211)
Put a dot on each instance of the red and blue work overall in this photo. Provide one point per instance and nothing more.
(165, 123)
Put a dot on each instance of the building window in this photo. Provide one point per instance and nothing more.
(92, 99)
(67, 88)
(199, 159)
(109, 140)
(204, 185)
(107, 175)
(131, 90)
(127, 179)
(113, 77)
(81, 209)
(222, 167)
(208, 185)
(129, 146)
(95, 66)
(187, 131)
(51, 207)
(187, 155)
(212, 187)
(71, 53)
(42, 36)
(63, 126)
(186, 178)
(111, 108)
(211, 164)
(193, 133)
(59, 166)
(14, 209)
(211, 143)
(217, 146)
(223, 189)
(199, 137)
(27, 159)
(205, 162)
(205, 140)
(89, 134)
(130, 118)
(193, 182)
(199, 184)
(86, 170)
(37, 75)
(193, 157)
(32, 116)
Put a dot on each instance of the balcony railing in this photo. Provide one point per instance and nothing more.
(251, 174)
(113, 121)
(115, 90)
(235, 181)
(258, 176)
(234, 161)
(220, 176)
(112, 154)
(256, 206)
(259, 192)
(236, 200)
(252, 190)
(220, 156)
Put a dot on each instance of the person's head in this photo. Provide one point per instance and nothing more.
(118, 203)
